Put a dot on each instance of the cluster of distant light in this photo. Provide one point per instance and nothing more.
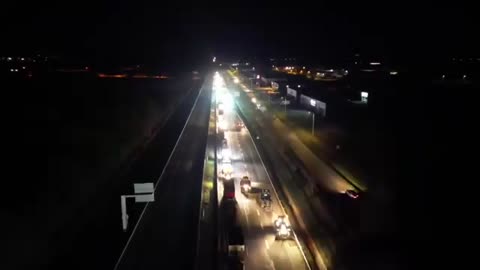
(135, 76)
(17, 59)
(464, 77)
(222, 95)
(15, 69)
(471, 59)
(285, 59)
(322, 74)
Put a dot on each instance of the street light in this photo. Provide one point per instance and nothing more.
(313, 102)
(285, 104)
(313, 123)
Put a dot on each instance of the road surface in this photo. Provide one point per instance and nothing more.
(92, 214)
(262, 250)
(167, 228)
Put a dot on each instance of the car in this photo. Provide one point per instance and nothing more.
(227, 170)
(352, 193)
(265, 194)
(284, 232)
(239, 125)
(226, 154)
(282, 228)
(222, 124)
(266, 198)
(245, 185)
(280, 220)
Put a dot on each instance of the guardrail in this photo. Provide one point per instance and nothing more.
(205, 207)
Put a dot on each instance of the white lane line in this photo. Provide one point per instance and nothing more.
(246, 215)
(258, 212)
(273, 265)
(261, 224)
(159, 179)
(266, 244)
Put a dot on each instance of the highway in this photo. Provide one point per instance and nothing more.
(93, 213)
(262, 250)
(167, 227)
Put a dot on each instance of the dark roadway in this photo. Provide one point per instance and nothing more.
(168, 226)
(101, 239)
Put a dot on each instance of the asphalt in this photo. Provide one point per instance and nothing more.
(262, 250)
(97, 237)
(167, 228)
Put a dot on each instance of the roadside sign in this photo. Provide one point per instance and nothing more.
(143, 193)
(145, 198)
(143, 188)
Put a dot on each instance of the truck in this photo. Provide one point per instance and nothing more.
(236, 248)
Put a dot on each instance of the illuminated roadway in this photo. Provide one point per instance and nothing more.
(262, 250)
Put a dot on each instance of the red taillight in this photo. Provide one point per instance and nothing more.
(230, 195)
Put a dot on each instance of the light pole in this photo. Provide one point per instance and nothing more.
(313, 123)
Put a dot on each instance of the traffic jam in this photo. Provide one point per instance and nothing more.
(237, 187)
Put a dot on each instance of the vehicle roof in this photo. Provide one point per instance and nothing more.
(235, 236)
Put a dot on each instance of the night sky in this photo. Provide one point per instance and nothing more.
(149, 31)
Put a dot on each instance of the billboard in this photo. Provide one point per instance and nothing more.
(291, 92)
(314, 105)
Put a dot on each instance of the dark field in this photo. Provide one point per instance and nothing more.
(94, 135)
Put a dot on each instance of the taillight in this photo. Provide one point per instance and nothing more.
(230, 195)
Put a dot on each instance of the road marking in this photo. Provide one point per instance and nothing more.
(258, 212)
(273, 264)
(266, 244)
(261, 224)
(246, 215)
(159, 179)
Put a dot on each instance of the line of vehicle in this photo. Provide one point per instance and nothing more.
(278, 198)
(159, 178)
